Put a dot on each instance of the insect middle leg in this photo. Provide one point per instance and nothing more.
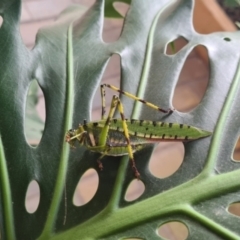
(100, 165)
(130, 96)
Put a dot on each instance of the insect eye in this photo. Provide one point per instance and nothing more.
(71, 132)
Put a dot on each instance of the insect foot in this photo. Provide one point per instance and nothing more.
(171, 110)
(67, 137)
(100, 165)
(136, 172)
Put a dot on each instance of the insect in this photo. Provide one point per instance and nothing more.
(118, 137)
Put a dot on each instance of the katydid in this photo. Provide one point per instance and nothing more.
(118, 137)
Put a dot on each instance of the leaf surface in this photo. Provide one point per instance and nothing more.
(68, 62)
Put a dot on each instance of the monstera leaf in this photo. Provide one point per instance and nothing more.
(68, 62)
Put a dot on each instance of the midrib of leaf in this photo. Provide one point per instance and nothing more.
(6, 196)
(61, 177)
(172, 201)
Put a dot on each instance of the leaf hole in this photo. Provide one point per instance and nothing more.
(32, 198)
(87, 3)
(166, 159)
(236, 152)
(193, 80)
(86, 188)
(227, 39)
(1, 21)
(111, 76)
(135, 190)
(121, 7)
(173, 230)
(209, 18)
(113, 25)
(175, 46)
(234, 209)
(34, 114)
(36, 15)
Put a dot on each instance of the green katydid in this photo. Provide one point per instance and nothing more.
(118, 137)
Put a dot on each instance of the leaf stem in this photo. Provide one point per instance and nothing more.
(61, 177)
(6, 196)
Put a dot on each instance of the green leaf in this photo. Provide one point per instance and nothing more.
(68, 63)
(231, 3)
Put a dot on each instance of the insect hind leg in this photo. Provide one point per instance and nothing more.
(102, 89)
(168, 111)
(126, 133)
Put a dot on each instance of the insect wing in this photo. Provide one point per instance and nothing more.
(160, 131)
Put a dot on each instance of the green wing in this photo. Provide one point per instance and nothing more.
(157, 131)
